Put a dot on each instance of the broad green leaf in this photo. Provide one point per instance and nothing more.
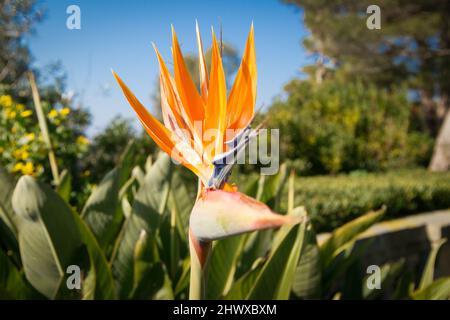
(222, 265)
(308, 275)
(256, 245)
(126, 162)
(101, 284)
(345, 234)
(148, 272)
(147, 207)
(139, 175)
(251, 186)
(291, 192)
(405, 286)
(152, 277)
(338, 268)
(428, 272)
(271, 187)
(49, 237)
(287, 277)
(242, 287)
(101, 212)
(148, 163)
(126, 207)
(273, 280)
(64, 187)
(182, 285)
(182, 202)
(6, 191)
(438, 290)
(12, 282)
(8, 230)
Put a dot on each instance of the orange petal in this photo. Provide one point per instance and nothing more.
(241, 102)
(216, 107)
(190, 98)
(170, 97)
(202, 66)
(159, 133)
(218, 214)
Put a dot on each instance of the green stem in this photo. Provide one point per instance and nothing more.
(199, 252)
(43, 127)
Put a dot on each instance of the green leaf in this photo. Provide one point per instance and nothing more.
(152, 277)
(428, 272)
(49, 238)
(242, 287)
(12, 282)
(275, 279)
(270, 188)
(308, 275)
(101, 211)
(438, 290)
(148, 204)
(64, 187)
(101, 284)
(8, 230)
(126, 161)
(182, 285)
(222, 265)
(6, 191)
(52, 237)
(338, 268)
(182, 203)
(149, 274)
(138, 174)
(347, 233)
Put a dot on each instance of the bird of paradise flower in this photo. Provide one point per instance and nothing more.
(205, 131)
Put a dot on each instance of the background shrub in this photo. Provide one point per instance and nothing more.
(332, 201)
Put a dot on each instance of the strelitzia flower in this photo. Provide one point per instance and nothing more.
(204, 130)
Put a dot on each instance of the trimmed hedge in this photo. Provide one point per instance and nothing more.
(334, 200)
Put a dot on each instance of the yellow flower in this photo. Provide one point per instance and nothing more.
(6, 101)
(39, 169)
(30, 136)
(11, 114)
(28, 168)
(21, 153)
(1, 150)
(26, 113)
(17, 167)
(20, 107)
(53, 114)
(82, 140)
(64, 112)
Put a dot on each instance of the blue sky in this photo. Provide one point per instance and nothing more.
(118, 34)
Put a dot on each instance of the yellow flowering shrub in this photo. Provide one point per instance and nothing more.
(22, 149)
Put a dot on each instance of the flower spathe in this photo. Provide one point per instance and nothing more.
(202, 126)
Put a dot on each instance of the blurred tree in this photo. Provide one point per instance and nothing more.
(108, 145)
(341, 125)
(412, 47)
(17, 19)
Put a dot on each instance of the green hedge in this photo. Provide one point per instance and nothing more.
(334, 200)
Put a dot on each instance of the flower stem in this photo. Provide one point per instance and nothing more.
(199, 252)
